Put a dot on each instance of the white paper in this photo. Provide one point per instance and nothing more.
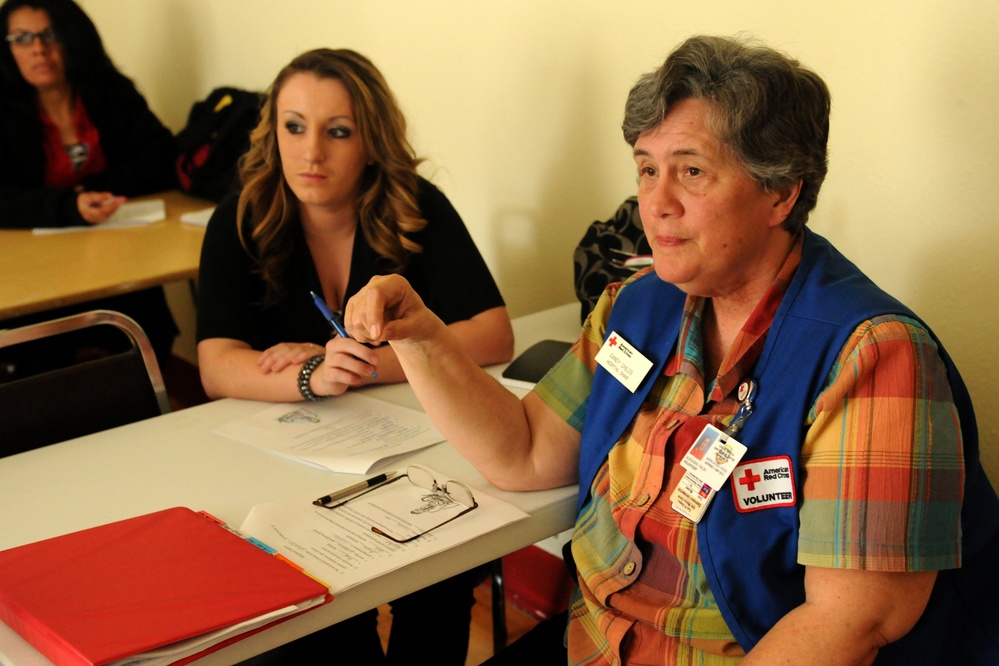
(521, 386)
(350, 433)
(129, 214)
(198, 217)
(174, 652)
(138, 212)
(338, 547)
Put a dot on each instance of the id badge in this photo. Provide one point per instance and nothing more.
(713, 456)
(708, 464)
(691, 497)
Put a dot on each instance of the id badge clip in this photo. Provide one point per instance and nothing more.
(711, 459)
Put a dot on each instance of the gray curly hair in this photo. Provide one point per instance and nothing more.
(771, 112)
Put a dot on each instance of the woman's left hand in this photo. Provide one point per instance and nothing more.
(280, 356)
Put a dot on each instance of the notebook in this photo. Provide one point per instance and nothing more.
(170, 584)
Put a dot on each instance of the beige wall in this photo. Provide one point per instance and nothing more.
(517, 105)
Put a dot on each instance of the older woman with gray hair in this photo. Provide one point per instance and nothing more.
(841, 514)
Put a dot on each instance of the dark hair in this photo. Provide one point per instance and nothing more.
(771, 112)
(87, 65)
(387, 206)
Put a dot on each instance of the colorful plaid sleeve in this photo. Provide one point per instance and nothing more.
(883, 457)
(566, 387)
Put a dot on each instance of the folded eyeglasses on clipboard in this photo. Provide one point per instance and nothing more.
(403, 512)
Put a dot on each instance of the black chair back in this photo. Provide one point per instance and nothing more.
(84, 398)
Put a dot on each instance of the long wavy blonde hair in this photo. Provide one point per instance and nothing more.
(387, 205)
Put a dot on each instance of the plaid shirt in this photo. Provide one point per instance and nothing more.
(883, 421)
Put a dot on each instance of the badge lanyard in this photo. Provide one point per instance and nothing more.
(745, 396)
(711, 459)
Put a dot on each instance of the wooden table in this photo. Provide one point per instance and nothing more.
(42, 272)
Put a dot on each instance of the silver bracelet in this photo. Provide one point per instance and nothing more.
(305, 374)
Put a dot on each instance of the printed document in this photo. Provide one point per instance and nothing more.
(338, 546)
(129, 214)
(198, 217)
(350, 433)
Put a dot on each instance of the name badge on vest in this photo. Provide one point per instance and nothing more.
(623, 361)
(711, 460)
(709, 463)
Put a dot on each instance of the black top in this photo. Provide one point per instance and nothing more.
(449, 275)
(138, 149)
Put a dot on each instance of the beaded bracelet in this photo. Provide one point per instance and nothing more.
(305, 374)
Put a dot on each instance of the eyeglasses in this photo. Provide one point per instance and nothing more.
(25, 38)
(441, 497)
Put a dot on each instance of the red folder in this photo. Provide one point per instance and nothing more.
(110, 592)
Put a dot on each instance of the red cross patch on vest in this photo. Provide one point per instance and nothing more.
(766, 483)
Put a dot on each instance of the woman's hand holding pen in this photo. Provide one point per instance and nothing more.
(348, 363)
(95, 207)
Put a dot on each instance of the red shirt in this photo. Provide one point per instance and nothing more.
(59, 168)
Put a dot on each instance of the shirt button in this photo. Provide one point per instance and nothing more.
(629, 568)
(643, 500)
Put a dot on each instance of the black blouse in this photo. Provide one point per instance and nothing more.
(449, 275)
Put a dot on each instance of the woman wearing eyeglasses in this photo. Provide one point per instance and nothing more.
(76, 133)
(77, 138)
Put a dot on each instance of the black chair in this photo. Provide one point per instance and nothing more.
(84, 397)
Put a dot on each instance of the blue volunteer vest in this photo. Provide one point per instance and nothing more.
(750, 558)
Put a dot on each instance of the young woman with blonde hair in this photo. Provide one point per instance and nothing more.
(331, 198)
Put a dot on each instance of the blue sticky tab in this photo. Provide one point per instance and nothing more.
(261, 545)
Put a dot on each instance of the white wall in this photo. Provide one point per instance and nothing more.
(517, 106)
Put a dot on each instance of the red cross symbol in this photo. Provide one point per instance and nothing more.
(613, 340)
(749, 479)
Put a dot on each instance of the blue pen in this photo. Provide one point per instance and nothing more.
(333, 319)
(330, 317)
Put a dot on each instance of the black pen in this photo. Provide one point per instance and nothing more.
(357, 487)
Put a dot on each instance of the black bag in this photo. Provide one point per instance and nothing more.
(216, 136)
(609, 252)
